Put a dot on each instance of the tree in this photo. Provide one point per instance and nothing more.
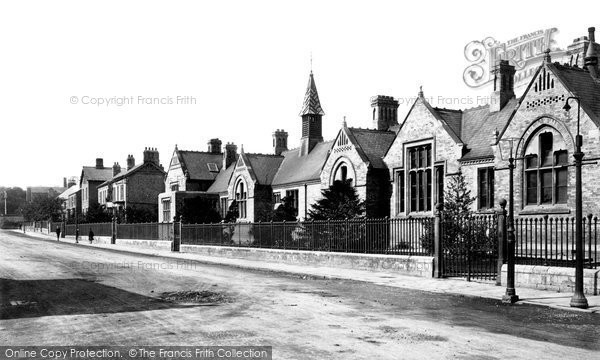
(457, 198)
(340, 201)
(285, 211)
(96, 214)
(15, 200)
(461, 229)
(134, 214)
(42, 208)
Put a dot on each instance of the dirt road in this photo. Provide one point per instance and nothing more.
(63, 294)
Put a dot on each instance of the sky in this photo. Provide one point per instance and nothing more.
(184, 72)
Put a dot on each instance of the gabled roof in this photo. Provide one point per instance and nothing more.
(372, 144)
(92, 173)
(262, 167)
(133, 170)
(311, 104)
(296, 168)
(581, 83)
(194, 163)
(448, 118)
(221, 183)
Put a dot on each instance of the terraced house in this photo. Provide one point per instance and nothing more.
(135, 187)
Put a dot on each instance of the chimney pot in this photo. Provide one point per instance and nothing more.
(99, 163)
(591, 34)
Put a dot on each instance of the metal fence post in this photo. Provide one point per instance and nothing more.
(589, 224)
(437, 242)
(113, 238)
(176, 234)
(501, 240)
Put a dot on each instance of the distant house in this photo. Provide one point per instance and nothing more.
(34, 192)
(91, 178)
(71, 201)
(190, 175)
(136, 187)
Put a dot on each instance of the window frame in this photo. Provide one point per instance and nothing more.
(547, 164)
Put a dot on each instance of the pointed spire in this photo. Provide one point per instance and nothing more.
(311, 104)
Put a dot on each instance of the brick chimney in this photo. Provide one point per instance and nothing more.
(230, 155)
(99, 163)
(214, 146)
(72, 181)
(130, 162)
(116, 169)
(280, 141)
(385, 112)
(504, 80)
(151, 156)
(64, 182)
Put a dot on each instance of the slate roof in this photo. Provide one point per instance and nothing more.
(311, 104)
(262, 167)
(453, 118)
(295, 168)
(479, 126)
(583, 85)
(133, 170)
(221, 183)
(91, 173)
(65, 194)
(194, 162)
(374, 144)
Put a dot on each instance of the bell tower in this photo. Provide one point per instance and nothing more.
(312, 116)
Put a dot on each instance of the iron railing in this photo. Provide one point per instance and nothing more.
(550, 241)
(408, 236)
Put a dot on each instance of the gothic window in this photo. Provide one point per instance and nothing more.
(546, 173)
(241, 196)
(420, 178)
(485, 190)
(342, 173)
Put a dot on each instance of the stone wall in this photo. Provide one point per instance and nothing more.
(553, 278)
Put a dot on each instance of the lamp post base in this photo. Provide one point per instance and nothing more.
(510, 297)
(579, 301)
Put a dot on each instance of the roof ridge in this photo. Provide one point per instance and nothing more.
(371, 130)
(446, 109)
(200, 152)
(262, 154)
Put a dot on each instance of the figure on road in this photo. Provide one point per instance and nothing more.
(91, 235)
(58, 233)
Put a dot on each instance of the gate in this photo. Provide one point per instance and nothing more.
(470, 247)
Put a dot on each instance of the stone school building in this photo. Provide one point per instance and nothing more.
(401, 170)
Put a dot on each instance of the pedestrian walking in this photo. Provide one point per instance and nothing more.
(91, 235)
(77, 235)
(58, 233)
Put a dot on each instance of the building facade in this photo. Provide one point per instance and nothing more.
(91, 178)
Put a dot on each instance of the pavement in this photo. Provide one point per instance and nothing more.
(448, 286)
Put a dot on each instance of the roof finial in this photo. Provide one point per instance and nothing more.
(344, 122)
(547, 58)
(420, 91)
(311, 62)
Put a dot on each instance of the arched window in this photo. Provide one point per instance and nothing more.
(342, 173)
(241, 196)
(546, 171)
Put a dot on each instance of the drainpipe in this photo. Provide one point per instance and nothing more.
(305, 200)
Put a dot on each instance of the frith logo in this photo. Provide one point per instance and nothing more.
(524, 52)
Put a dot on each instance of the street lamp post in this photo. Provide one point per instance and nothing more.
(510, 297)
(578, 299)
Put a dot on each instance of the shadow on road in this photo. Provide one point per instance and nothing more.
(35, 298)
